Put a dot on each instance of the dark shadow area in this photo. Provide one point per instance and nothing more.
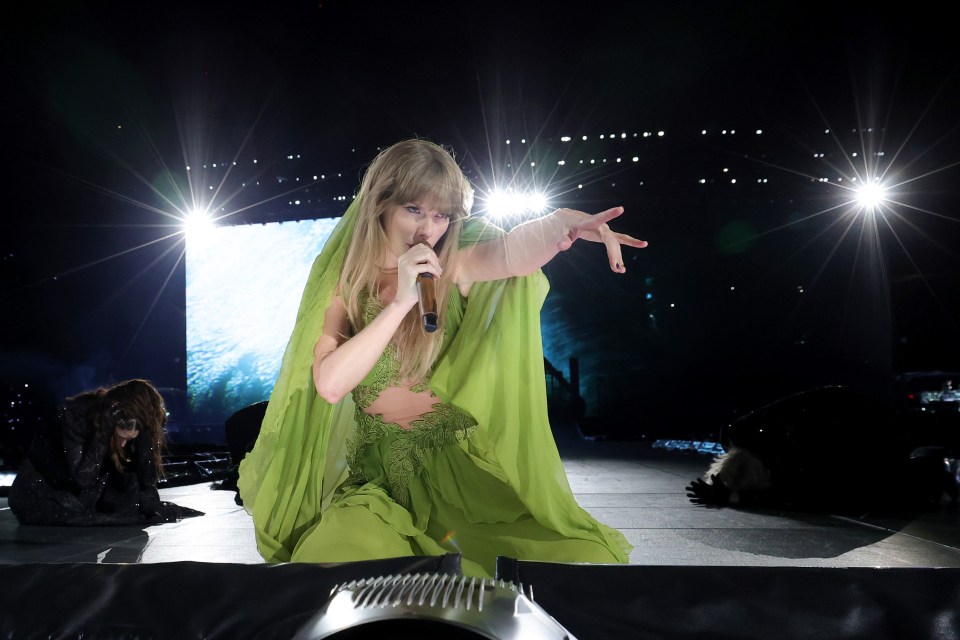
(242, 429)
(831, 450)
(811, 536)
(646, 603)
(183, 465)
(97, 545)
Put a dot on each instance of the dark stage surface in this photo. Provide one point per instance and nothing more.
(694, 570)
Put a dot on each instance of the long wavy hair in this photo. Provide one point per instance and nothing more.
(405, 172)
(120, 405)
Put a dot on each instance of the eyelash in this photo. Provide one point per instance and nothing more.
(416, 210)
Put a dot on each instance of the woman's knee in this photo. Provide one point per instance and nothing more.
(347, 534)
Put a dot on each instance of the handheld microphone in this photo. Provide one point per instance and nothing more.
(428, 301)
(427, 296)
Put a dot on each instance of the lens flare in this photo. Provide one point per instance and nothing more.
(450, 539)
(870, 196)
(198, 223)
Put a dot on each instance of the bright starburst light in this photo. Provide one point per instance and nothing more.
(509, 204)
(198, 223)
(170, 195)
(871, 214)
(871, 196)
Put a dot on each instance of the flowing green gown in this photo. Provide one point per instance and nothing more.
(480, 475)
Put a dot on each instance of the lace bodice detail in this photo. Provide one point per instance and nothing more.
(407, 448)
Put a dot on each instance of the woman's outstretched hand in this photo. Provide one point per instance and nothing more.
(595, 229)
(710, 493)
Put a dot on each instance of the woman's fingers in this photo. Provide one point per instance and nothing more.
(592, 223)
(606, 216)
(421, 259)
(630, 241)
(592, 226)
(418, 259)
(614, 242)
(596, 229)
(614, 255)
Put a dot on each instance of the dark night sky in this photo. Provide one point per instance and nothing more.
(324, 79)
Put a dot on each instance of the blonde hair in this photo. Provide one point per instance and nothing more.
(740, 470)
(408, 171)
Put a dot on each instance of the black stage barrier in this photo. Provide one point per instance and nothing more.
(596, 602)
(592, 602)
(179, 600)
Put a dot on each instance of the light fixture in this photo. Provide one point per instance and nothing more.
(431, 605)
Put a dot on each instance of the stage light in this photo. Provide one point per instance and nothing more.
(870, 196)
(431, 606)
(537, 202)
(509, 203)
(198, 223)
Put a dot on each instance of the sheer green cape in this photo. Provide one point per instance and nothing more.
(492, 368)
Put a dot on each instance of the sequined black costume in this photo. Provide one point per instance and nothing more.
(68, 478)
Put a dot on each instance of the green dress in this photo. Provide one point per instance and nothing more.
(479, 475)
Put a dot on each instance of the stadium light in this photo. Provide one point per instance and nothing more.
(870, 196)
(502, 204)
(197, 223)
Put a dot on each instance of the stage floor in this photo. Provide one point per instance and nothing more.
(632, 486)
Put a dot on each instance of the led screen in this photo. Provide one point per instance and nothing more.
(244, 285)
(243, 289)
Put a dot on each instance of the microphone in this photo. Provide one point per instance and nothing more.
(427, 296)
(428, 301)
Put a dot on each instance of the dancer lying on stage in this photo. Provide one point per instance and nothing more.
(825, 449)
(98, 462)
(384, 439)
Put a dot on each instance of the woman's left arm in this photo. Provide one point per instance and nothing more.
(531, 245)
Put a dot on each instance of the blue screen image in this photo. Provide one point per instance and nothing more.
(243, 289)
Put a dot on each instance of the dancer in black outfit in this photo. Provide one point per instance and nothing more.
(825, 449)
(98, 462)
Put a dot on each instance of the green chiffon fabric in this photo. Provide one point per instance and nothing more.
(491, 481)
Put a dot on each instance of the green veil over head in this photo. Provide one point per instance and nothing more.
(491, 367)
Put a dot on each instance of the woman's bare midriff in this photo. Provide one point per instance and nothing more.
(401, 406)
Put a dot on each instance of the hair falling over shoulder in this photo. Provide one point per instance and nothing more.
(405, 172)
